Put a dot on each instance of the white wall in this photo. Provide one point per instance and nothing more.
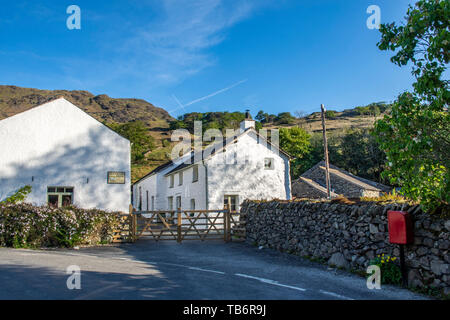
(58, 144)
(189, 190)
(248, 179)
(158, 186)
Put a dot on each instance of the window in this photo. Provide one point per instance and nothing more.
(195, 173)
(192, 207)
(180, 178)
(231, 201)
(178, 202)
(268, 164)
(146, 192)
(60, 196)
(171, 181)
(170, 203)
(153, 203)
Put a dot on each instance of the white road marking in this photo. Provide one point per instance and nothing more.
(335, 295)
(96, 292)
(273, 282)
(206, 270)
(191, 268)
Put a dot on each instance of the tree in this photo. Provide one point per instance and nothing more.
(295, 141)
(284, 118)
(416, 133)
(360, 154)
(300, 114)
(137, 133)
(330, 114)
(261, 116)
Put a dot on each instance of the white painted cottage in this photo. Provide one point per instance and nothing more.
(66, 156)
(257, 171)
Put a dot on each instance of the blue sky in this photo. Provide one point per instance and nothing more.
(206, 55)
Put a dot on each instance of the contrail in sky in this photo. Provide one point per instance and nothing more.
(181, 106)
(215, 93)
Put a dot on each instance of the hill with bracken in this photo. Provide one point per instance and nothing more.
(159, 124)
(14, 100)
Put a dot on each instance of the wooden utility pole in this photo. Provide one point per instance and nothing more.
(325, 146)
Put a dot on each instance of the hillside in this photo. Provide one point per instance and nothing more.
(14, 100)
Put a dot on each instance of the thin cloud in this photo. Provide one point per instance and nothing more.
(181, 106)
(215, 93)
(175, 45)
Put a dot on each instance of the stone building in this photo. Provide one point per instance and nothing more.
(312, 184)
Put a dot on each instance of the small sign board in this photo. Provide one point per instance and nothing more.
(116, 177)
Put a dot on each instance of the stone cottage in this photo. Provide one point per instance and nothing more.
(312, 184)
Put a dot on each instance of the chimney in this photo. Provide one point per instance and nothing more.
(248, 122)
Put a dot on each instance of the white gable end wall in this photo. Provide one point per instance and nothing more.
(248, 179)
(57, 144)
(245, 179)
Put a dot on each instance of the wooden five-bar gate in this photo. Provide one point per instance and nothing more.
(180, 225)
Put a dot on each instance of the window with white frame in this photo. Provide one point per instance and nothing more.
(195, 173)
(180, 178)
(178, 202)
(172, 179)
(170, 203)
(231, 201)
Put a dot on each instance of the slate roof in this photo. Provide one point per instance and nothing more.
(315, 178)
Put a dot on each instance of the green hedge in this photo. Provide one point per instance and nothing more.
(24, 225)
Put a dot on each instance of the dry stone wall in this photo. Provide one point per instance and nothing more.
(349, 236)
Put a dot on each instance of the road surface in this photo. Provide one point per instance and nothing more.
(191, 270)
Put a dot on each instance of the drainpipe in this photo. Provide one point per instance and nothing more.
(206, 185)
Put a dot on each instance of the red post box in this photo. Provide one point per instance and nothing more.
(400, 227)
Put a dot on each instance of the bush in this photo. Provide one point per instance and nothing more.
(25, 225)
(390, 271)
(330, 114)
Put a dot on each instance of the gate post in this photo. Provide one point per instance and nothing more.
(179, 225)
(227, 223)
(132, 227)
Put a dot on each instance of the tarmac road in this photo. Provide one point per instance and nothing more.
(191, 270)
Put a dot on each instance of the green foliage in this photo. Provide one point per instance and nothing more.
(417, 144)
(138, 135)
(354, 150)
(211, 120)
(416, 132)
(295, 141)
(424, 41)
(261, 116)
(390, 271)
(330, 114)
(358, 152)
(19, 196)
(374, 109)
(284, 118)
(24, 225)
